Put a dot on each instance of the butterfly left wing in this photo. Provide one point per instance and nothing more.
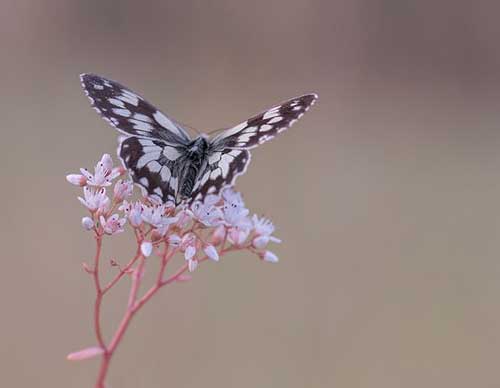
(228, 155)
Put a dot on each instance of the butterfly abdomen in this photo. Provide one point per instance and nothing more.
(195, 163)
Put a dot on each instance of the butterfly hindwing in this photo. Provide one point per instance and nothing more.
(153, 165)
(223, 169)
(129, 112)
(264, 126)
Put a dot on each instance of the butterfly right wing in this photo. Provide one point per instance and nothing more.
(130, 113)
(228, 154)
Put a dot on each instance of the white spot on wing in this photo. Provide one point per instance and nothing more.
(164, 121)
(266, 127)
(154, 166)
(171, 153)
(232, 131)
(141, 117)
(121, 112)
(165, 173)
(141, 125)
(276, 119)
(270, 114)
(116, 102)
(146, 158)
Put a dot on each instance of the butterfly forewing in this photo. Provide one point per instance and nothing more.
(264, 126)
(129, 112)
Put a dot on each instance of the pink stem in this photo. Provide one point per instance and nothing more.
(135, 305)
(99, 293)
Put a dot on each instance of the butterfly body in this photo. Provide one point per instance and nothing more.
(192, 167)
(161, 156)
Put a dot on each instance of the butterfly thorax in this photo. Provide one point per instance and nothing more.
(194, 164)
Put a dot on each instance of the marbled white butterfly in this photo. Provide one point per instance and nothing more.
(165, 160)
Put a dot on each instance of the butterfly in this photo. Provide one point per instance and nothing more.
(161, 156)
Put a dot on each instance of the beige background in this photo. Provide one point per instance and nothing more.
(386, 194)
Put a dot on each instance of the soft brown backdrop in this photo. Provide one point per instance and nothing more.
(386, 194)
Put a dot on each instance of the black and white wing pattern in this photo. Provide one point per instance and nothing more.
(228, 152)
(130, 113)
(153, 142)
(264, 126)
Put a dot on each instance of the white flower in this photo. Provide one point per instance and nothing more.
(211, 252)
(206, 212)
(269, 256)
(133, 211)
(263, 229)
(155, 216)
(87, 223)
(237, 217)
(123, 189)
(95, 199)
(232, 198)
(146, 248)
(238, 236)
(104, 172)
(112, 225)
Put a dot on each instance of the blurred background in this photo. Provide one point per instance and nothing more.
(386, 194)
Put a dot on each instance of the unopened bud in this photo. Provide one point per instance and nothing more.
(87, 223)
(146, 248)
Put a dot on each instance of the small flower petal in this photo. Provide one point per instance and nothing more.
(85, 354)
(146, 248)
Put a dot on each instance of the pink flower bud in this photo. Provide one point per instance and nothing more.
(211, 252)
(85, 354)
(269, 256)
(76, 179)
(189, 253)
(87, 223)
(146, 248)
(192, 265)
(218, 235)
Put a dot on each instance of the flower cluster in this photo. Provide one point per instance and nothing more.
(203, 230)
